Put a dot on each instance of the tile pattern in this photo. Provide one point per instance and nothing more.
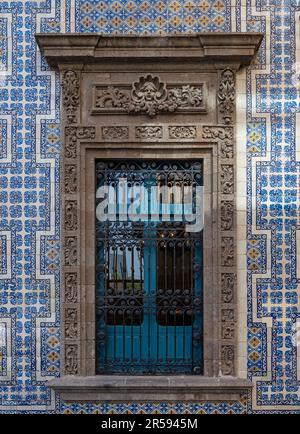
(3, 45)
(239, 407)
(3, 130)
(29, 193)
(273, 215)
(29, 180)
(51, 351)
(152, 16)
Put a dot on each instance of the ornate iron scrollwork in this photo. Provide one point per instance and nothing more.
(146, 275)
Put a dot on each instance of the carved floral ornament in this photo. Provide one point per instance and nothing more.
(149, 95)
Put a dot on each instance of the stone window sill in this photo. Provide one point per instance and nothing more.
(150, 388)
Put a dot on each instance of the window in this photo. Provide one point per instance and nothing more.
(126, 103)
(148, 271)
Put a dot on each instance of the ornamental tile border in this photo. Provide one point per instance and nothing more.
(29, 165)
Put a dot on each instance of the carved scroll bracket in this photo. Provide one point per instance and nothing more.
(71, 94)
(226, 96)
(71, 234)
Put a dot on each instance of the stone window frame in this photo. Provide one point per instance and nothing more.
(84, 143)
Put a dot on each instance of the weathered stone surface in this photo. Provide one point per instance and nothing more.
(135, 388)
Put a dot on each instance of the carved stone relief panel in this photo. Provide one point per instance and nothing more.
(228, 323)
(227, 215)
(115, 132)
(148, 95)
(227, 179)
(71, 287)
(182, 132)
(72, 135)
(227, 287)
(227, 359)
(71, 251)
(148, 132)
(71, 211)
(71, 179)
(71, 359)
(71, 323)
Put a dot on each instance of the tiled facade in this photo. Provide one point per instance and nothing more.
(267, 195)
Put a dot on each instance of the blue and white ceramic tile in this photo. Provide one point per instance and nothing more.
(29, 193)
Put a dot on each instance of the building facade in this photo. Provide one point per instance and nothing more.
(234, 110)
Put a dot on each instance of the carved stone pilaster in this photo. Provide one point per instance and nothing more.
(224, 136)
(226, 96)
(115, 132)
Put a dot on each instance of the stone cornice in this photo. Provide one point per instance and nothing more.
(135, 388)
(229, 48)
